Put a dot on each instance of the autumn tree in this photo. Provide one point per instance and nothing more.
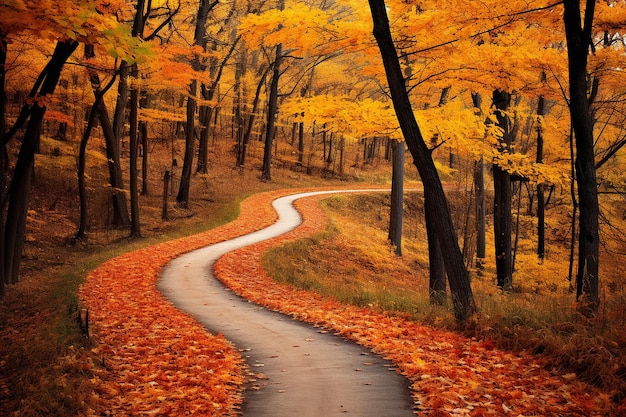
(272, 108)
(503, 195)
(579, 42)
(434, 196)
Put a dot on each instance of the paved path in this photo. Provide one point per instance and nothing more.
(305, 372)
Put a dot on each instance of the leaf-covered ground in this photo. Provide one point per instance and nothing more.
(158, 361)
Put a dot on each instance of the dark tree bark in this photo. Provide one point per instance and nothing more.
(255, 107)
(166, 187)
(4, 161)
(123, 92)
(397, 196)
(135, 225)
(436, 265)
(479, 185)
(578, 35)
(272, 108)
(541, 202)
(502, 198)
(208, 92)
(141, 15)
(458, 277)
(20, 187)
(301, 142)
(82, 156)
(182, 197)
(118, 196)
(143, 135)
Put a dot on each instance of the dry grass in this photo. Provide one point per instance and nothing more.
(43, 354)
(353, 262)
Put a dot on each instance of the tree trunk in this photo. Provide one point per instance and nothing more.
(118, 196)
(82, 190)
(301, 143)
(123, 92)
(342, 148)
(397, 197)
(502, 198)
(20, 187)
(479, 185)
(578, 43)
(199, 39)
(190, 135)
(4, 161)
(255, 106)
(458, 277)
(166, 186)
(436, 265)
(541, 206)
(135, 226)
(143, 133)
(271, 117)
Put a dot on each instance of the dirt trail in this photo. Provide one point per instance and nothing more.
(301, 371)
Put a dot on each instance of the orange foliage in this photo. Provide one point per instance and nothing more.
(160, 361)
(450, 374)
(156, 359)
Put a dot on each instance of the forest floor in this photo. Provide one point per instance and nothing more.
(48, 367)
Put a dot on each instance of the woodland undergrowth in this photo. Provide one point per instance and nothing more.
(51, 364)
(353, 262)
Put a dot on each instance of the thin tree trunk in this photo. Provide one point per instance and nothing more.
(541, 213)
(123, 92)
(255, 106)
(342, 146)
(182, 197)
(166, 184)
(82, 189)
(301, 143)
(4, 162)
(135, 226)
(118, 196)
(185, 177)
(143, 133)
(479, 185)
(271, 116)
(397, 197)
(458, 277)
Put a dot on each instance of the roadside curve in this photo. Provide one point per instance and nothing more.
(299, 370)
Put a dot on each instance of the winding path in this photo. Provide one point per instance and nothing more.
(300, 370)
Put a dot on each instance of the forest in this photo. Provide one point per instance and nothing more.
(498, 126)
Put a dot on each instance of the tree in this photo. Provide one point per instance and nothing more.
(397, 196)
(503, 196)
(82, 156)
(579, 42)
(458, 277)
(541, 198)
(19, 189)
(200, 38)
(118, 196)
(272, 108)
